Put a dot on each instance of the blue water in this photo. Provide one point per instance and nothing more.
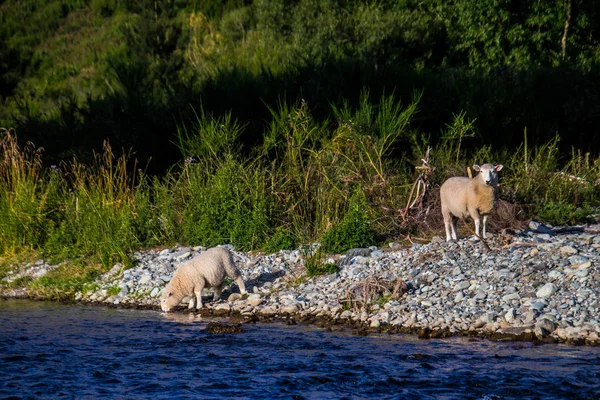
(50, 350)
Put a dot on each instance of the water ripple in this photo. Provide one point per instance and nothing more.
(52, 351)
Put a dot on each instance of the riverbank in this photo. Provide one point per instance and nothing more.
(536, 285)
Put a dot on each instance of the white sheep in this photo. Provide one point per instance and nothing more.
(462, 197)
(206, 270)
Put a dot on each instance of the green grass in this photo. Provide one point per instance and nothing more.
(279, 143)
(65, 281)
(113, 291)
(314, 264)
(339, 183)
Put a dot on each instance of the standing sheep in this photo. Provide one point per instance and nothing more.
(206, 270)
(462, 197)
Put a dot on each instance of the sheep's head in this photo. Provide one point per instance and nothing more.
(169, 300)
(488, 173)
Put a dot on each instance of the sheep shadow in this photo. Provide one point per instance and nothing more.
(252, 283)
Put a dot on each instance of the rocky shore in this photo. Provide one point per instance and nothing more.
(538, 284)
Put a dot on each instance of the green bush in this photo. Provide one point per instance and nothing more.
(229, 204)
(563, 213)
(282, 239)
(354, 229)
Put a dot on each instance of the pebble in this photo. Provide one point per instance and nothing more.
(547, 290)
(568, 250)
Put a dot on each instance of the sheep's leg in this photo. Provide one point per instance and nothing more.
(448, 234)
(447, 223)
(478, 227)
(485, 217)
(218, 291)
(454, 230)
(241, 285)
(198, 292)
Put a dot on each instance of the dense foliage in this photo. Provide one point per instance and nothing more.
(74, 73)
(268, 124)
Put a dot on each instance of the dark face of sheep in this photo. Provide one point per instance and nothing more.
(168, 301)
(488, 173)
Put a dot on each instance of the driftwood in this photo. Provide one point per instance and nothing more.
(419, 188)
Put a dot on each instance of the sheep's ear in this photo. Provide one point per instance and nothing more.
(476, 167)
(498, 167)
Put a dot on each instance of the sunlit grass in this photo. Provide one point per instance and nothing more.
(344, 182)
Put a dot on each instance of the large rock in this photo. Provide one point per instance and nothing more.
(221, 309)
(546, 291)
(233, 297)
(254, 299)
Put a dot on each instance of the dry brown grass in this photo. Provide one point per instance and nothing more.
(429, 221)
(361, 296)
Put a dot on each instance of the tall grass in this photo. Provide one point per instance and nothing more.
(229, 203)
(342, 182)
(24, 195)
(99, 210)
(70, 210)
(561, 189)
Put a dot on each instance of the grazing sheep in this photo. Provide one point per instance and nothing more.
(206, 270)
(462, 197)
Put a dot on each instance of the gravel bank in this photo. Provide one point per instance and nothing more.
(540, 284)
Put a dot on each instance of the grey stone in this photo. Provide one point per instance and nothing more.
(289, 309)
(578, 259)
(487, 317)
(480, 295)
(183, 256)
(146, 278)
(539, 227)
(364, 252)
(254, 299)
(221, 309)
(538, 306)
(510, 315)
(568, 250)
(233, 297)
(510, 297)
(546, 291)
(437, 239)
(555, 274)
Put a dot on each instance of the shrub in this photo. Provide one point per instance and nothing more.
(227, 204)
(282, 239)
(354, 230)
(563, 213)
